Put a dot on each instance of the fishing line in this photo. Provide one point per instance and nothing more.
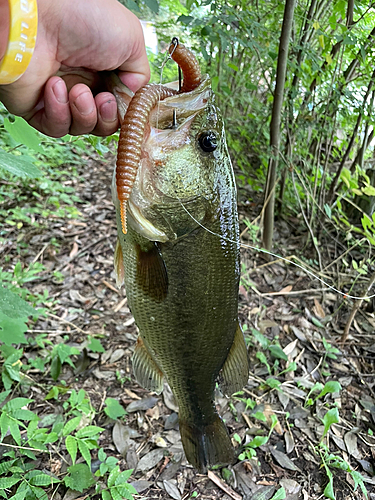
(168, 56)
(275, 255)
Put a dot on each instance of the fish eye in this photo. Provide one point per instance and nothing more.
(208, 141)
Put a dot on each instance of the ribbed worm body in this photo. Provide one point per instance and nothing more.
(133, 126)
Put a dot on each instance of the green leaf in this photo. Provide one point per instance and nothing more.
(113, 476)
(12, 330)
(277, 352)
(153, 5)
(102, 455)
(39, 493)
(262, 358)
(106, 495)
(42, 480)
(85, 452)
(16, 404)
(214, 83)
(71, 425)
(95, 345)
(55, 367)
(3, 396)
(5, 466)
(115, 494)
(273, 383)
(20, 495)
(185, 19)
(358, 480)
(263, 341)
(123, 477)
(317, 322)
(23, 133)
(4, 424)
(233, 66)
(113, 409)
(328, 210)
(15, 431)
(71, 446)
(330, 387)
(89, 431)
(132, 6)
(258, 441)
(19, 166)
(8, 482)
(80, 477)
(331, 417)
(13, 306)
(280, 494)
(369, 191)
(345, 176)
(328, 490)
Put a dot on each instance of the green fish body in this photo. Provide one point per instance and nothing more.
(180, 264)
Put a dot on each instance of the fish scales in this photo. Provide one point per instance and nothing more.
(182, 279)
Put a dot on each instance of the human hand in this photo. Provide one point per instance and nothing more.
(78, 39)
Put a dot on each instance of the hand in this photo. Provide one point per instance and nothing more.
(78, 39)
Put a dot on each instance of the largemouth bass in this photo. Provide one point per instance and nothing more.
(179, 261)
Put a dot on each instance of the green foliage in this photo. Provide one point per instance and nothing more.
(14, 312)
(72, 428)
(331, 461)
(113, 409)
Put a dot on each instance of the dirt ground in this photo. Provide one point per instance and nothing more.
(277, 300)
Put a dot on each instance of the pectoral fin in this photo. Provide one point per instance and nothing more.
(146, 370)
(119, 265)
(152, 274)
(235, 372)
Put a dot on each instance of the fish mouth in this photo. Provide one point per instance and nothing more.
(184, 105)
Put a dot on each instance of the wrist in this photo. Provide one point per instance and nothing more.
(4, 27)
(22, 27)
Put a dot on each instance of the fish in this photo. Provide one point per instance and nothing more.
(179, 260)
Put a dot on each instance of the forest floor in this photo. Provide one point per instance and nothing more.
(288, 318)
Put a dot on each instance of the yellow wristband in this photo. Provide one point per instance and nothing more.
(23, 15)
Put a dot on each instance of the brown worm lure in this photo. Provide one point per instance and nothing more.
(135, 120)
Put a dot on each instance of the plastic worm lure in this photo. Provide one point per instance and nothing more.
(133, 126)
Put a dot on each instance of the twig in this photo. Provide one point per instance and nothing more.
(111, 287)
(23, 448)
(67, 323)
(295, 292)
(223, 486)
(356, 306)
(120, 305)
(40, 253)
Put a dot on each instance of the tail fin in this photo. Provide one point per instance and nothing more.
(206, 445)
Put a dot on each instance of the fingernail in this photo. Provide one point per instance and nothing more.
(84, 103)
(108, 111)
(60, 91)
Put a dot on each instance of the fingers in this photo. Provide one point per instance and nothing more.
(108, 122)
(92, 115)
(52, 114)
(59, 113)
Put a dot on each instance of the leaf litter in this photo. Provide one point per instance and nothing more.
(294, 349)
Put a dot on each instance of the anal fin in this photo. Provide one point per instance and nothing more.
(146, 370)
(235, 372)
